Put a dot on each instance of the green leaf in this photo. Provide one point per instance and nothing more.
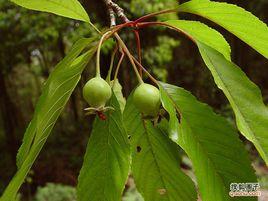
(156, 160)
(238, 21)
(173, 120)
(201, 32)
(117, 88)
(66, 8)
(107, 159)
(244, 97)
(56, 87)
(56, 93)
(213, 146)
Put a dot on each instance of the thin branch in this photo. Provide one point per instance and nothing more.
(111, 13)
(146, 24)
(112, 17)
(145, 17)
(115, 8)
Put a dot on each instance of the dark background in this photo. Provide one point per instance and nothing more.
(31, 43)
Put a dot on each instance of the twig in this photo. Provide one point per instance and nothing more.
(115, 8)
(111, 13)
(155, 14)
(146, 24)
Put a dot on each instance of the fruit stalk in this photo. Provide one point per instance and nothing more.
(111, 64)
(144, 69)
(138, 42)
(98, 53)
(118, 65)
(125, 49)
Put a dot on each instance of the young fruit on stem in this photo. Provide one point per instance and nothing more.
(146, 98)
(97, 92)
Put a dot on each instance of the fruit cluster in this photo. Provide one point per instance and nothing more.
(146, 97)
(98, 91)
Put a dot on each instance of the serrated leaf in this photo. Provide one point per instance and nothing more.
(213, 146)
(173, 120)
(244, 96)
(107, 159)
(54, 87)
(201, 32)
(117, 88)
(236, 20)
(156, 160)
(66, 8)
(56, 93)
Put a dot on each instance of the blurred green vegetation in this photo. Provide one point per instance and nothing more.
(31, 43)
(59, 192)
(55, 192)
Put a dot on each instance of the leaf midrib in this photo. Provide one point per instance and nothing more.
(208, 157)
(74, 11)
(257, 48)
(68, 8)
(200, 145)
(247, 126)
(154, 156)
(77, 75)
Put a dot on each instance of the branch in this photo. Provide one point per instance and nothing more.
(114, 8)
(111, 13)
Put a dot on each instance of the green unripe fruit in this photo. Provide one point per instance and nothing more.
(146, 98)
(97, 92)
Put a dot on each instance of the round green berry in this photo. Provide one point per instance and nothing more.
(97, 92)
(146, 98)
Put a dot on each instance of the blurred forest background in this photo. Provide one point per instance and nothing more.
(31, 43)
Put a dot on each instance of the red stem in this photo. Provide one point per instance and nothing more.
(141, 19)
(147, 24)
(120, 26)
(138, 42)
(154, 14)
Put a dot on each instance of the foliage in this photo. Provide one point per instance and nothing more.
(69, 8)
(56, 92)
(55, 192)
(244, 96)
(209, 141)
(153, 150)
(229, 79)
(35, 39)
(123, 137)
(200, 32)
(108, 165)
(252, 30)
(161, 55)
